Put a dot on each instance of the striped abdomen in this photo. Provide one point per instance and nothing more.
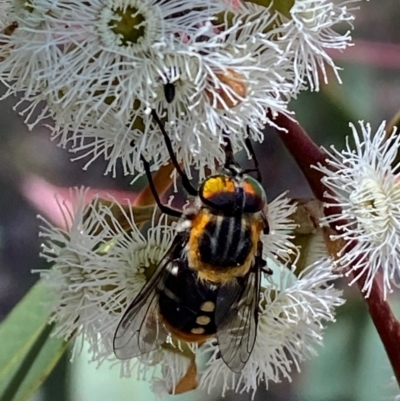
(187, 304)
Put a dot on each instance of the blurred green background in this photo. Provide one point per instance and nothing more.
(352, 365)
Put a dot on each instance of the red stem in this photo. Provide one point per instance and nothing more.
(386, 323)
(307, 153)
(304, 151)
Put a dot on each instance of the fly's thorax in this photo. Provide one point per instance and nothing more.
(221, 247)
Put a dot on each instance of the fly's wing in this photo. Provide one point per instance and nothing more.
(139, 330)
(236, 318)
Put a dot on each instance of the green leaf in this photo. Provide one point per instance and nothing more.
(28, 352)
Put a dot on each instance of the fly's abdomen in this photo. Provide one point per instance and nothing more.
(187, 305)
(225, 242)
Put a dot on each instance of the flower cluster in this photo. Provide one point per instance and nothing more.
(132, 81)
(102, 260)
(112, 74)
(292, 312)
(99, 263)
(363, 181)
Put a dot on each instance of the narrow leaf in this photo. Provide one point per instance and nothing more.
(28, 352)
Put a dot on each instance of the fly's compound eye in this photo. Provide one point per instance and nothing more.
(218, 192)
(255, 197)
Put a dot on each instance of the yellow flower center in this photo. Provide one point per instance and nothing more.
(129, 24)
(283, 6)
(375, 208)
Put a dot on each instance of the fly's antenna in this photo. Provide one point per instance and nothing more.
(250, 148)
(190, 189)
(230, 161)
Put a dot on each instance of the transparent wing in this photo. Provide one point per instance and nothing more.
(139, 330)
(236, 317)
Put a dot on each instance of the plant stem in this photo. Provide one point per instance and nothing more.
(307, 153)
(304, 151)
(386, 324)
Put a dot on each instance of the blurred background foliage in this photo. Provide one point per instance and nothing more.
(352, 365)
